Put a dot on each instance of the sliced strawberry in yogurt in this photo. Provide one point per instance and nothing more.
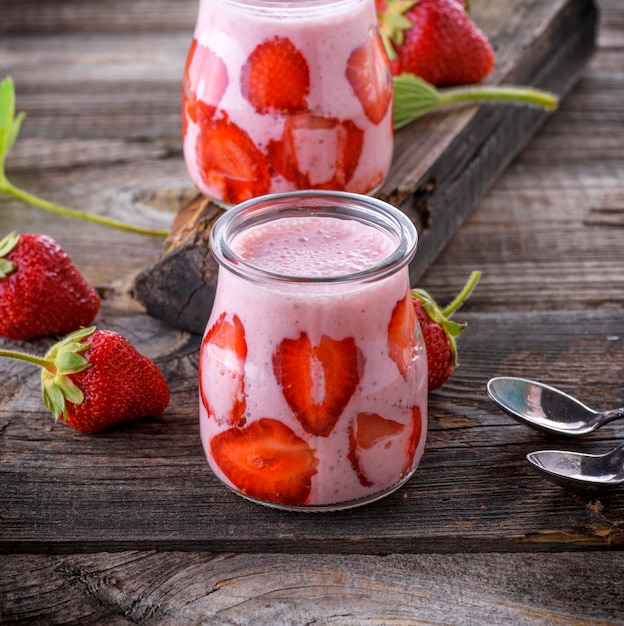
(222, 366)
(317, 152)
(205, 78)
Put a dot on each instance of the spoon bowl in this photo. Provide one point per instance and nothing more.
(546, 408)
(579, 470)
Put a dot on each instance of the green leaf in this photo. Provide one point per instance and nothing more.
(15, 129)
(71, 343)
(69, 362)
(9, 125)
(53, 399)
(454, 329)
(413, 97)
(7, 102)
(6, 267)
(70, 391)
(7, 244)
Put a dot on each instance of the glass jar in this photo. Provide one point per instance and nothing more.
(313, 372)
(285, 95)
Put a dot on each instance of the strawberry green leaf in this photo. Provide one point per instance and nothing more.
(414, 97)
(6, 245)
(71, 393)
(455, 329)
(70, 362)
(441, 316)
(53, 399)
(393, 24)
(9, 124)
(62, 360)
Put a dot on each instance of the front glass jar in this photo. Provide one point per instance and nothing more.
(285, 95)
(313, 373)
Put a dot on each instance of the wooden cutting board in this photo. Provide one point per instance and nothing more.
(443, 163)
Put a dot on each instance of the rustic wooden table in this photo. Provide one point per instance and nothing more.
(130, 526)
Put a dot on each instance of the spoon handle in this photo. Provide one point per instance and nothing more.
(609, 416)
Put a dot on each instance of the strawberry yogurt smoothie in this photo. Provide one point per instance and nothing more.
(286, 95)
(313, 375)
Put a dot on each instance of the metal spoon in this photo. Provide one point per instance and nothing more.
(546, 408)
(575, 469)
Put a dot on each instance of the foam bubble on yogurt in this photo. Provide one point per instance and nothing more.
(313, 246)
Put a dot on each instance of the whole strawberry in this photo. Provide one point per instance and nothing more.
(94, 379)
(435, 40)
(41, 291)
(439, 332)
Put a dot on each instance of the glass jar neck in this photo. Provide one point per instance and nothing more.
(393, 225)
(289, 8)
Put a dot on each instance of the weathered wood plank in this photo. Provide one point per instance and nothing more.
(32, 17)
(548, 238)
(191, 588)
(147, 485)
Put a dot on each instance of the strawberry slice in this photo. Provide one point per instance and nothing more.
(276, 78)
(369, 75)
(222, 366)
(373, 442)
(202, 62)
(401, 334)
(229, 162)
(417, 428)
(318, 381)
(370, 428)
(266, 460)
(366, 430)
(317, 152)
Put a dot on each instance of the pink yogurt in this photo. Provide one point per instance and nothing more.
(320, 369)
(317, 117)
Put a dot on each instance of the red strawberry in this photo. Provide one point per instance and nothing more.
(229, 162)
(317, 152)
(369, 76)
(222, 362)
(318, 381)
(94, 379)
(401, 334)
(435, 40)
(266, 460)
(41, 291)
(439, 331)
(202, 63)
(276, 78)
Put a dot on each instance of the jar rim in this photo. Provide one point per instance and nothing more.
(289, 7)
(335, 204)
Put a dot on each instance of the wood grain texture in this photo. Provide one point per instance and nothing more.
(130, 526)
(472, 492)
(267, 589)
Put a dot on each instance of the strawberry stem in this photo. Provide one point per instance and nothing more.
(30, 358)
(10, 125)
(413, 97)
(7, 188)
(504, 92)
(462, 295)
